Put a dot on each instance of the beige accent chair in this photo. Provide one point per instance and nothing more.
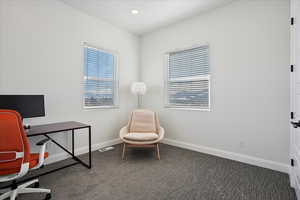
(142, 130)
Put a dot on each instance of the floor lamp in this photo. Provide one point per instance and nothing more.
(139, 89)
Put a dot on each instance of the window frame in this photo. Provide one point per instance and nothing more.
(166, 81)
(115, 79)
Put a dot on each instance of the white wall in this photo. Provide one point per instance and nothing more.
(249, 53)
(41, 53)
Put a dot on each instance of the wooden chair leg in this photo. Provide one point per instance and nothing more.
(124, 151)
(157, 151)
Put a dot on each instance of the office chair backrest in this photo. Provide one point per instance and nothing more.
(144, 121)
(12, 139)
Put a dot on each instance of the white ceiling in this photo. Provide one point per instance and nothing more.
(153, 14)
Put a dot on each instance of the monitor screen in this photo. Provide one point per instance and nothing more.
(27, 105)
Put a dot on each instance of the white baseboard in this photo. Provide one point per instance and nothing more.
(203, 149)
(231, 155)
(82, 150)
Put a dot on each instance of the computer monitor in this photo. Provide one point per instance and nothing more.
(27, 105)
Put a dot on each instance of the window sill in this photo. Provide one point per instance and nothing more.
(100, 107)
(188, 109)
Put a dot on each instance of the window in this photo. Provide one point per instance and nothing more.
(188, 79)
(100, 83)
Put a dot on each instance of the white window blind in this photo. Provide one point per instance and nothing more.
(100, 83)
(188, 79)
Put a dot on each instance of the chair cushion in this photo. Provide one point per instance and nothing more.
(8, 168)
(34, 159)
(141, 136)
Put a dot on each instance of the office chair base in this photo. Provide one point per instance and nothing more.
(23, 189)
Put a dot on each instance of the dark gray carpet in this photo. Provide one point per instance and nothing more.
(179, 175)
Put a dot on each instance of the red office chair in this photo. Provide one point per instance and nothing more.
(15, 157)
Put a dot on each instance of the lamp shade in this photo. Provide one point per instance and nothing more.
(138, 88)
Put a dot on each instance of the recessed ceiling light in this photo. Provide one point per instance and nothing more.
(134, 12)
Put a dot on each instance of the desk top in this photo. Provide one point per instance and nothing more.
(55, 127)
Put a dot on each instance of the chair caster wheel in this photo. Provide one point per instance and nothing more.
(48, 196)
(36, 185)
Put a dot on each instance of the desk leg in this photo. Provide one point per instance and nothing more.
(90, 148)
(73, 152)
(70, 153)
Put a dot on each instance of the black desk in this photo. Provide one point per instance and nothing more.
(64, 128)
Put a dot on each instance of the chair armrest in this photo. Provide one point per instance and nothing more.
(161, 133)
(42, 142)
(123, 132)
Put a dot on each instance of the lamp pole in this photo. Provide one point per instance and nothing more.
(139, 89)
(139, 101)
